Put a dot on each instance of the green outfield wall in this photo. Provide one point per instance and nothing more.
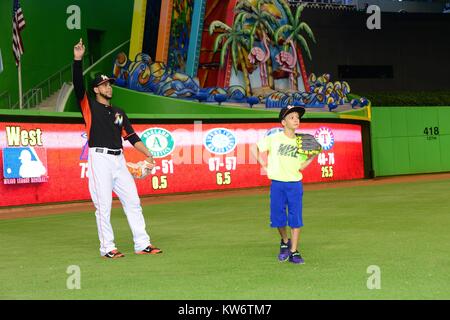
(409, 140)
(52, 28)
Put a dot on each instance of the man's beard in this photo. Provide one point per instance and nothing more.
(105, 96)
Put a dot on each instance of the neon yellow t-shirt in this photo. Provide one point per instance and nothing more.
(283, 159)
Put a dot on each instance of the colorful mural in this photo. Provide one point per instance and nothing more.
(144, 75)
(254, 56)
(209, 71)
(179, 34)
(267, 38)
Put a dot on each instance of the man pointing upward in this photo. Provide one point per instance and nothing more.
(106, 126)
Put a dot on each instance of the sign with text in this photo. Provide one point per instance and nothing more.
(190, 157)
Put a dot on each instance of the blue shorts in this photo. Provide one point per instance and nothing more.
(282, 195)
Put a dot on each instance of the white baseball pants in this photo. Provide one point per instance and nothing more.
(109, 173)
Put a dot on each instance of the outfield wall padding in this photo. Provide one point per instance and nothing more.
(410, 140)
(191, 155)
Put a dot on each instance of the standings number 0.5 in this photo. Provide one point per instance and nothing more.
(159, 182)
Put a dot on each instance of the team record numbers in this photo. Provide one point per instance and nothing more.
(44, 162)
(161, 143)
(325, 137)
(221, 141)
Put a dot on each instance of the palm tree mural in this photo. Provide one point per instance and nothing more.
(236, 40)
(291, 31)
(260, 16)
(260, 20)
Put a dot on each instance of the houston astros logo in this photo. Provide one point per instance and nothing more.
(159, 141)
(325, 137)
(220, 141)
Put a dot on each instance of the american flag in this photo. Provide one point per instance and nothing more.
(18, 25)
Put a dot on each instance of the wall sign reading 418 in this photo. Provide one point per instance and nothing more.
(431, 132)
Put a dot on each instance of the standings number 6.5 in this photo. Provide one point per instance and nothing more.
(223, 178)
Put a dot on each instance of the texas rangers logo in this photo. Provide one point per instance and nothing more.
(220, 141)
(118, 119)
(159, 141)
(325, 137)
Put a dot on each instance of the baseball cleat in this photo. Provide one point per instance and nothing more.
(114, 254)
(284, 250)
(296, 258)
(150, 250)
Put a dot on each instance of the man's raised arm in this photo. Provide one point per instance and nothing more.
(77, 70)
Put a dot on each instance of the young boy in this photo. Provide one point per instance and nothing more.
(284, 169)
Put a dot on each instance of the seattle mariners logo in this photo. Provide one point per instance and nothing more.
(220, 141)
(325, 137)
(159, 141)
(119, 119)
(272, 131)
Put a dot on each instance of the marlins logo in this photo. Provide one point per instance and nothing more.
(220, 141)
(159, 141)
(118, 119)
(325, 137)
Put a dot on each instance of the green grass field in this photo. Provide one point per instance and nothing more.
(224, 249)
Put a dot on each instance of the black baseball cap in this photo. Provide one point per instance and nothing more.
(100, 79)
(289, 109)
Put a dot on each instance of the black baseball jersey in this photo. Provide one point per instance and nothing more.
(105, 125)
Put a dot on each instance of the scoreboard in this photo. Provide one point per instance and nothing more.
(190, 157)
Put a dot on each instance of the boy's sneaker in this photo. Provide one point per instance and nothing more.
(296, 258)
(284, 250)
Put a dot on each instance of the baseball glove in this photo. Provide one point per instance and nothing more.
(138, 170)
(307, 145)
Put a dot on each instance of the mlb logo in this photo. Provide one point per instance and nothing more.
(24, 162)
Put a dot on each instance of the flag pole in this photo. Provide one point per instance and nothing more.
(19, 70)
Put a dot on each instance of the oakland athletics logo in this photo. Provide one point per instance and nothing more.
(159, 141)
